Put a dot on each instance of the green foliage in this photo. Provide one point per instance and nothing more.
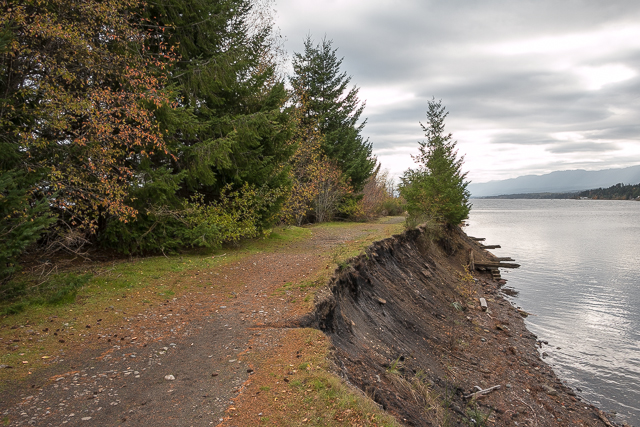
(196, 223)
(437, 189)
(58, 289)
(23, 219)
(475, 416)
(78, 89)
(229, 126)
(394, 206)
(334, 109)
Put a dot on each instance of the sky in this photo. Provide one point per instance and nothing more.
(531, 87)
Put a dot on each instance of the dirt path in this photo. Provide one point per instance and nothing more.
(180, 364)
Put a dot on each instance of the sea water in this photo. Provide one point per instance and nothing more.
(580, 279)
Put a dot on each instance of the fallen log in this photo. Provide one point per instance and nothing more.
(506, 258)
(481, 392)
(494, 265)
(490, 246)
(478, 239)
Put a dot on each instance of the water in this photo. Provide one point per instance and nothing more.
(580, 277)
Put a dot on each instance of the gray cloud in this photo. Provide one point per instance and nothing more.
(532, 73)
(582, 147)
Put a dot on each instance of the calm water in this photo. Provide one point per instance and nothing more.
(580, 277)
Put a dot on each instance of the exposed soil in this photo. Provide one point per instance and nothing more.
(206, 357)
(403, 319)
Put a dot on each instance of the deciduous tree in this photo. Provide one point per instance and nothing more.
(77, 95)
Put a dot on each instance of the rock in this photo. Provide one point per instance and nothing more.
(169, 377)
(549, 390)
(483, 304)
(381, 300)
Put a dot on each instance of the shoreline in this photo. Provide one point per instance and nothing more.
(422, 327)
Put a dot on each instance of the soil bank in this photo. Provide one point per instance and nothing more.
(409, 331)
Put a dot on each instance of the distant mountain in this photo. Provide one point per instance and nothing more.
(557, 182)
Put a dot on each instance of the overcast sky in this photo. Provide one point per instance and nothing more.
(531, 86)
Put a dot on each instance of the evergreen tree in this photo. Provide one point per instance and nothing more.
(228, 134)
(229, 126)
(437, 189)
(334, 108)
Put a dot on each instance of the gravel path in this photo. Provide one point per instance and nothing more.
(178, 364)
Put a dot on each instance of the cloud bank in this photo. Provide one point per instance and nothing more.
(531, 86)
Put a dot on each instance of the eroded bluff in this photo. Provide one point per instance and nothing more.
(408, 331)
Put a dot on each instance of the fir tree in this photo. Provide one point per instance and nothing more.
(334, 108)
(437, 189)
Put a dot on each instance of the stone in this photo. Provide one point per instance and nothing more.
(169, 377)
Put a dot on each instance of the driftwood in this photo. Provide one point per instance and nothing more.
(482, 392)
(494, 265)
(497, 258)
(478, 239)
(472, 264)
(490, 246)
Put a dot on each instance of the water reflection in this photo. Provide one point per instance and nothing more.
(578, 278)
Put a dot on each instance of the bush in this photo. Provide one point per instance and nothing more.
(237, 215)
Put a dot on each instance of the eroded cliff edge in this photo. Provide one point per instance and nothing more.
(409, 331)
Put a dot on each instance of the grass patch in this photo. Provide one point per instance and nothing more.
(58, 289)
(295, 387)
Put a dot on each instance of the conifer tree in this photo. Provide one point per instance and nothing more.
(334, 108)
(437, 189)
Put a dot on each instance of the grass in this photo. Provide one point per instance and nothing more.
(107, 291)
(302, 390)
(475, 416)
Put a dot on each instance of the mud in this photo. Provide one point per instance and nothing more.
(409, 331)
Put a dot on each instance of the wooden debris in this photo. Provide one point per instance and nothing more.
(482, 392)
(490, 246)
(483, 304)
(506, 258)
(478, 239)
(494, 265)
(381, 300)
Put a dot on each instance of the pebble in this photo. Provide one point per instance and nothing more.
(169, 377)
(549, 390)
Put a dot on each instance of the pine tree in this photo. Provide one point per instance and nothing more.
(334, 108)
(437, 189)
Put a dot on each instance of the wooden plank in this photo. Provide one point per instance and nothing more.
(493, 265)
